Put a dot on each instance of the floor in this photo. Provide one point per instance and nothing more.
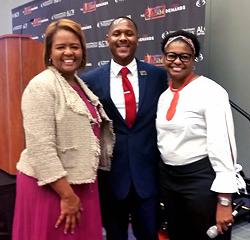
(241, 230)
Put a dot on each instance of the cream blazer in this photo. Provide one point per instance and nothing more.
(59, 137)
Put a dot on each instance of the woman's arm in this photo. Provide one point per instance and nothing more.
(38, 108)
(70, 205)
(221, 156)
(224, 217)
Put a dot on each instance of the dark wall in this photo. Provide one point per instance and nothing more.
(153, 17)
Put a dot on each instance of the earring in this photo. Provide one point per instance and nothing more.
(50, 61)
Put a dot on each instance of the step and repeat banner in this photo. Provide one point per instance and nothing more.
(154, 18)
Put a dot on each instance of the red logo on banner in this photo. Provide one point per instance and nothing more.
(36, 22)
(155, 12)
(154, 59)
(27, 10)
(89, 7)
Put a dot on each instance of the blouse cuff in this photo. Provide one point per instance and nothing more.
(225, 183)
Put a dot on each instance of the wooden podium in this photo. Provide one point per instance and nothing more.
(21, 59)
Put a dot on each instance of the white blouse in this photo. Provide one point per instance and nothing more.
(202, 126)
(116, 89)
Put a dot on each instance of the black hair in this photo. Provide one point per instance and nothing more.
(124, 17)
(183, 33)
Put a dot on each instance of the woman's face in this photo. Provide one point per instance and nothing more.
(66, 52)
(178, 69)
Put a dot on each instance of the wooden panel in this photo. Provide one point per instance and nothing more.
(22, 59)
(32, 62)
(14, 69)
(4, 134)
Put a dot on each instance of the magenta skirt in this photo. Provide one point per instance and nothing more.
(37, 209)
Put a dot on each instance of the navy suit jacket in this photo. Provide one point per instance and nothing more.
(136, 156)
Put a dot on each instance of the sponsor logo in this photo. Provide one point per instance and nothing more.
(104, 23)
(46, 3)
(93, 5)
(38, 21)
(15, 15)
(145, 39)
(155, 12)
(91, 45)
(102, 3)
(68, 13)
(199, 58)
(163, 35)
(89, 7)
(21, 26)
(200, 3)
(86, 27)
(49, 2)
(102, 44)
(103, 62)
(192, 30)
(154, 59)
(175, 8)
(28, 10)
(200, 30)
(161, 10)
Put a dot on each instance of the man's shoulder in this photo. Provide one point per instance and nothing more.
(94, 71)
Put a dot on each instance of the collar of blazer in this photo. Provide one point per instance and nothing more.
(73, 100)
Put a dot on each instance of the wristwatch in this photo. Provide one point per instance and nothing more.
(224, 201)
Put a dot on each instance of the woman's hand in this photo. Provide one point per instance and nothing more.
(70, 213)
(70, 205)
(224, 218)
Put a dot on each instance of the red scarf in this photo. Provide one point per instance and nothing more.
(172, 108)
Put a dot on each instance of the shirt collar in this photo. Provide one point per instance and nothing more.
(116, 68)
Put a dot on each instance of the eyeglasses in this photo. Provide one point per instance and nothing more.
(184, 57)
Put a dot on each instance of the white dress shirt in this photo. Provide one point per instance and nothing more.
(116, 89)
(202, 126)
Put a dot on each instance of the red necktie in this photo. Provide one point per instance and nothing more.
(130, 104)
(172, 108)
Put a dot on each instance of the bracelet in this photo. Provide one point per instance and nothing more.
(224, 201)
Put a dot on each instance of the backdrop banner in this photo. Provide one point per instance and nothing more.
(154, 18)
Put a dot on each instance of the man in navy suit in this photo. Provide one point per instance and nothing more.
(130, 189)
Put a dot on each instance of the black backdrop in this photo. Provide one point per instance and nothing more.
(153, 17)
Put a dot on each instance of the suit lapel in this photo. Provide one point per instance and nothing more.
(105, 78)
(142, 77)
(105, 81)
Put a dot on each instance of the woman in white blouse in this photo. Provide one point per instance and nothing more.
(197, 145)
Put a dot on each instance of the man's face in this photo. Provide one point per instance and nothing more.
(122, 39)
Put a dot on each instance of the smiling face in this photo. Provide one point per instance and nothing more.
(122, 39)
(177, 69)
(66, 53)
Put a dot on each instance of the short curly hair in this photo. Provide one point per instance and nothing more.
(183, 33)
